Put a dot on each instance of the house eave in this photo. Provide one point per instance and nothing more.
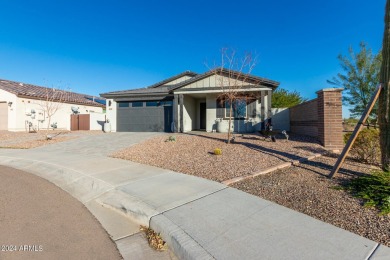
(143, 97)
(217, 90)
(62, 101)
(250, 79)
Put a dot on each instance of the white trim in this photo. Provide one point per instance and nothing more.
(219, 91)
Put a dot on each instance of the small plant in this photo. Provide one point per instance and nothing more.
(154, 239)
(366, 147)
(217, 151)
(172, 138)
(374, 189)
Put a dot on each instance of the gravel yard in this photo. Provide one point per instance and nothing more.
(193, 153)
(305, 188)
(24, 140)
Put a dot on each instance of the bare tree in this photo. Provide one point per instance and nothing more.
(232, 76)
(52, 102)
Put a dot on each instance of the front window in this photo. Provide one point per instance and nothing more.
(239, 108)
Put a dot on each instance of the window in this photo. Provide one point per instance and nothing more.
(123, 104)
(166, 103)
(137, 104)
(151, 103)
(239, 109)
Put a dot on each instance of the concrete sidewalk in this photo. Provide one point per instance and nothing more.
(199, 219)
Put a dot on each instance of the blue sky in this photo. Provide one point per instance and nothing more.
(100, 46)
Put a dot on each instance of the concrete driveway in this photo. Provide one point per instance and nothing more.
(71, 165)
(97, 145)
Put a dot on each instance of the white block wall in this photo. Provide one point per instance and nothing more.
(19, 113)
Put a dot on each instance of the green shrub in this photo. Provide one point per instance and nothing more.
(366, 146)
(373, 189)
(217, 151)
(172, 138)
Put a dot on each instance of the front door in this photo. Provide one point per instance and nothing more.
(202, 107)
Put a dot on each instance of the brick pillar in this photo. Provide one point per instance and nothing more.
(330, 128)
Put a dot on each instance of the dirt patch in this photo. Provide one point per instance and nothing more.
(24, 140)
(305, 188)
(194, 154)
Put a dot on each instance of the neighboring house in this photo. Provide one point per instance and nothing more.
(188, 101)
(23, 107)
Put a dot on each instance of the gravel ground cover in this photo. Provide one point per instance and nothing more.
(24, 140)
(305, 188)
(194, 153)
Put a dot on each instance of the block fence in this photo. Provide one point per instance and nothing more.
(321, 118)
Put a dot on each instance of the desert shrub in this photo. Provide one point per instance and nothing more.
(373, 189)
(366, 147)
(172, 138)
(217, 151)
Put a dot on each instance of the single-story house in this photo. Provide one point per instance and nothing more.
(191, 101)
(26, 107)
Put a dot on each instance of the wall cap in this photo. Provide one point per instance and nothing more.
(330, 90)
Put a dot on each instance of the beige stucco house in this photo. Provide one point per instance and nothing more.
(191, 101)
(23, 107)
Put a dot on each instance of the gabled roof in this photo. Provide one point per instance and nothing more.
(41, 93)
(185, 73)
(249, 78)
(155, 89)
(159, 89)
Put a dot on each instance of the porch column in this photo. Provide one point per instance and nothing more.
(176, 113)
(181, 113)
(262, 109)
(268, 107)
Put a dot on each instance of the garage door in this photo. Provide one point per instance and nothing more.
(3, 116)
(153, 116)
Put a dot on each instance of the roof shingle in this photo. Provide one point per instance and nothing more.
(42, 93)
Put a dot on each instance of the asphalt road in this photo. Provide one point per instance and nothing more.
(38, 220)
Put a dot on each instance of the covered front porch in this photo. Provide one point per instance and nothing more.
(201, 110)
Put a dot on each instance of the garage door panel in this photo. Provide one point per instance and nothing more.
(155, 119)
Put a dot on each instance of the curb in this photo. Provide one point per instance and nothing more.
(272, 169)
(181, 243)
